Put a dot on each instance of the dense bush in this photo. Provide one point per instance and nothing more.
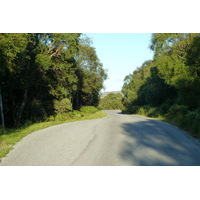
(177, 113)
(147, 111)
(62, 106)
(88, 109)
(153, 112)
(178, 110)
(163, 109)
(75, 114)
(192, 121)
(131, 109)
(111, 102)
(60, 117)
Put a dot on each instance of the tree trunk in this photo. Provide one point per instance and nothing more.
(1, 110)
(21, 109)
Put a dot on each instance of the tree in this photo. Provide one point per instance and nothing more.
(91, 75)
(155, 91)
(11, 46)
(111, 101)
(176, 55)
(134, 82)
(44, 74)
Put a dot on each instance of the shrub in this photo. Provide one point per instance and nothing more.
(111, 102)
(59, 117)
(177, 113)
(75, 114)
(152, 112)
(62, 117)
(193, 119)
(62, 106)
(89, 109)
(164, 108)
(132, 109)
(178, 110)
(141, 111)
(51, 118)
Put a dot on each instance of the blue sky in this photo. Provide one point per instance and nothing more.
(121, 54)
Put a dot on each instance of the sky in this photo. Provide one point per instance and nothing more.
(121, 54)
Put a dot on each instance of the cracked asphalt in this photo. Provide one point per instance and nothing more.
(116, 140)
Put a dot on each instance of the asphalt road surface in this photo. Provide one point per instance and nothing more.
(115, 140)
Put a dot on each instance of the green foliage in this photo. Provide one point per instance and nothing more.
(62, 106)
(177, 58)
(60, 117)
(11, 45)
(134, 82)
(131, 109)
(91, 76)
(192, 120)
(163, 108)
(169, 85)
(43, 74)
(75, 114)
(89, 109)
(178, 110)
(177, 113)
(111, 102)
(146, 87)
(181, 116)
(155, 91)
(146, 110)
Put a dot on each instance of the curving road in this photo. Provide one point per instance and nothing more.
(111, 141)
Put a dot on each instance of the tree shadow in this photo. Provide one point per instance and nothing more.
(155, 143)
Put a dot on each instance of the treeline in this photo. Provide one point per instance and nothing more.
(43, 75)
(168, 85)
(111, 101)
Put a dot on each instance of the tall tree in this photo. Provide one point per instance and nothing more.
(175, 55)
(48, 73)
(91, 75)
(155, 91)
(11, 46)
(134, 82)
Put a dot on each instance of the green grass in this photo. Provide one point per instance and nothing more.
(12, 136)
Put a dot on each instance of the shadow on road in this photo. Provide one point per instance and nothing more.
(152, 142)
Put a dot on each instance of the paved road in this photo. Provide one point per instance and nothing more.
(111, 141)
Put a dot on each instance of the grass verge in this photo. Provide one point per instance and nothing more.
(12, 136)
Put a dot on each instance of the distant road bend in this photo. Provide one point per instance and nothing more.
(115, 140)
